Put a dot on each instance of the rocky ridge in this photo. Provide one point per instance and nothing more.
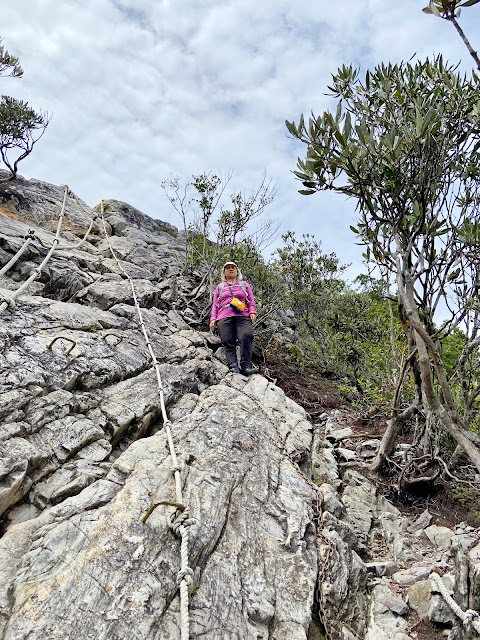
(288, 541)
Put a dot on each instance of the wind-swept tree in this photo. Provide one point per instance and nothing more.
(405, 144)
(20, 126)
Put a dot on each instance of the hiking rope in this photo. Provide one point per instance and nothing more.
(467, 617)
(79, 244)
(9, 299)
(180, 521)
(28, 238)
(75, 246)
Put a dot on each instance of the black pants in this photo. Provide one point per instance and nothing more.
(232, 328)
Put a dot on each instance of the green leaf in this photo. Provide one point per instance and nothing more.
(304, 192)
(354, 229)
(434, 8)
(339, 111)
(302, 176)
(418, 121)
(291, 127)
(348, 126)
(468, 3)
(454, 275)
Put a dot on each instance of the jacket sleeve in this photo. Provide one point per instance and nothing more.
(251, 300)
(214, 313)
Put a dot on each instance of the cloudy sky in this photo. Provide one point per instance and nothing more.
(138, 90)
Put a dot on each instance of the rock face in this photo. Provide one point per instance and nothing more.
(283, 545)
(253, 543)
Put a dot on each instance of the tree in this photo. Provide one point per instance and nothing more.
(20, 126)
(450, 10)
(310, 277)
(218, 227)
(405, 144)
(343, 331)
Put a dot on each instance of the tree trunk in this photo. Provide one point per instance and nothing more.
(447, 416)
(390, 436)
(399, 419)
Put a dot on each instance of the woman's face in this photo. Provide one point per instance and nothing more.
(231, 271)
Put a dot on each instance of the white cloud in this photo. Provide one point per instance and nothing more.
(141, 89)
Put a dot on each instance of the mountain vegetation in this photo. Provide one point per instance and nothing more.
(404, 143)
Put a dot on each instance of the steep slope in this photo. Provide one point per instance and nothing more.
(281, 546)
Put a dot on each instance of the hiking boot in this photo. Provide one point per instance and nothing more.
(233, 368)
(248, 369)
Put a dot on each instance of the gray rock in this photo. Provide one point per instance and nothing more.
(339, 434)
(84, 456)
(419, 597)
(475, 585)
(18, 458)
(465, 540)
(67, 481)
(385, 568)
(397, 605)
(331, 501)
(324, 464)
(347, 454)
(342, 589)
(360, 499)
(439, 611)
(107, 292)
(474, 554)
(394, 527)
(423, 521)
(31, 201)
(407, 577)
(383, 622)
(368, 449)
(441, 537)
(225, 469)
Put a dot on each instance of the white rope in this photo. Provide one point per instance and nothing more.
(9, 299)
(36, 272)
(79, 244)
(19, 253)
(467, 617)
(181, 520)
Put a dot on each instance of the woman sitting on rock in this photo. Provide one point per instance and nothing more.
(234, 312)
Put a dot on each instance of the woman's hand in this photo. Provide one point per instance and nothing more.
(253, 317)
(213, 324)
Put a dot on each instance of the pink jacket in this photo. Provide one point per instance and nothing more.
(222, 309)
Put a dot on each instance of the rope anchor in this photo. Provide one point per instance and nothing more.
(179, 507)
(119, 338)
(74, 344)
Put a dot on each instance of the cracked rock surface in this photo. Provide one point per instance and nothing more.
(84, 455)
(285, 543)
(253, 542)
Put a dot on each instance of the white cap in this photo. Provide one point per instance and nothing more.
(230, 262)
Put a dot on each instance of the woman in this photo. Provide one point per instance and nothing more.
(234, 312)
